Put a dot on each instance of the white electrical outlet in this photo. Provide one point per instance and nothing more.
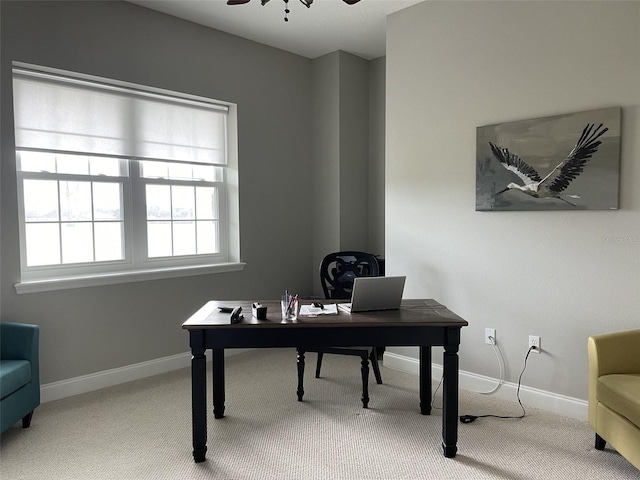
(534, 342)
(490, 336)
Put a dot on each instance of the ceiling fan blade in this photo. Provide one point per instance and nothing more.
(237, 2)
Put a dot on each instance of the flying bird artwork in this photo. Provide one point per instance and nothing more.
(557, 180)
(569, 161)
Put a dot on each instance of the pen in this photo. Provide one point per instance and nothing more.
(291, 303)
(287, 301)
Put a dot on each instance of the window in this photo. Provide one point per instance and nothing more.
(120, 179)
(72, 209)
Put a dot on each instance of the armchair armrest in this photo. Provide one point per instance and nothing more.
(611, 353)
(615, 353)
(19, 341)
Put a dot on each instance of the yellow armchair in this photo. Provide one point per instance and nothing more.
(614, 392)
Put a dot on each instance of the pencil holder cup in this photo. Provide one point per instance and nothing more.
(289, 310)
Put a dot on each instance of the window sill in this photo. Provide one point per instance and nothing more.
(65, 283)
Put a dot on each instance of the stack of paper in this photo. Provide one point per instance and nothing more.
(310, 310)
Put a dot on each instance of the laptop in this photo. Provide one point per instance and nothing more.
(375, 293)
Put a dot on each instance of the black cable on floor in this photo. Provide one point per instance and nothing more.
(473, 418)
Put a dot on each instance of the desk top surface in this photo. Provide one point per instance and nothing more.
(424, 312)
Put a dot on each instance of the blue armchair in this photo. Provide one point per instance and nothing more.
(19, 373)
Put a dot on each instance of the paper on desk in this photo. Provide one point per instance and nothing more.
(310, 310)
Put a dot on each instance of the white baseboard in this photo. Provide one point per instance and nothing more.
(553, 402)
(108, 378)
(533, 397)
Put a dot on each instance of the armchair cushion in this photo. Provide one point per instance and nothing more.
(15, 374)
(614, 392)
(621, 393)
(19, 373)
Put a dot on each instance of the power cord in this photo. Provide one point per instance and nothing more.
(473, 418)
(433, 399)
(496, 350)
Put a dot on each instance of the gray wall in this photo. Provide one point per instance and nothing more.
(377, 128)
(94, 329)
(454, 66)
(285, 133)
(326, 158)
(1, 136)
(348, 108)
(354, 152)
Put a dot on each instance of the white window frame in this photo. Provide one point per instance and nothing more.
(137, 266)
(139, 183)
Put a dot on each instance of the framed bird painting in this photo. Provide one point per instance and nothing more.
(564, 162)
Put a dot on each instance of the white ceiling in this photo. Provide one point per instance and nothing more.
(327, 26)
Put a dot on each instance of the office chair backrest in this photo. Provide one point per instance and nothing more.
(338, 270)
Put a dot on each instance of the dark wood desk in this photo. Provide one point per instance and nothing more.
(422, 323)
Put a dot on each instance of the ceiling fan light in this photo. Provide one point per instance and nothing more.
(306, 3)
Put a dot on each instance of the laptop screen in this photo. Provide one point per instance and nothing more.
(377, 293)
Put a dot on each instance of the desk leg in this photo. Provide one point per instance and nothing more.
(364, 370)
(450, 394)
(425, 380)
(218, 382)
(300, 363)
(198, 400)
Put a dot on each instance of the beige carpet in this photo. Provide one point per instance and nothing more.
(142, 430)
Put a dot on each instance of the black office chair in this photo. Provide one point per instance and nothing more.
(337, 273)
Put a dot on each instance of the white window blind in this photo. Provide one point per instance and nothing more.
(118, 181)
(70, 115)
